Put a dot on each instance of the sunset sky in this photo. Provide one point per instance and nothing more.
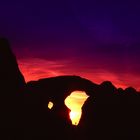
(98, 40)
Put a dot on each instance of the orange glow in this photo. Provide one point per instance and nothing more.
(75, 102)
(50, 105)
(36, 68)
(75, 116)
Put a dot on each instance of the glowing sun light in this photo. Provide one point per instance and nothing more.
(50, 105)
(75, 116)
(75, 102)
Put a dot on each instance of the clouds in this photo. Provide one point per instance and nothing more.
(36, 68)
(86, 38)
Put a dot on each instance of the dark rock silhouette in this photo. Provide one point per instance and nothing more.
(55, 89)
(11, 88)
(10, 73)
(109, 113)
(115, 115)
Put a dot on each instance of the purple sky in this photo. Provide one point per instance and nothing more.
(98, 40)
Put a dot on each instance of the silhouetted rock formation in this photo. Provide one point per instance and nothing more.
(55, 89)
(9, 71)
(114, 114)
(109, 113)
(11, 87)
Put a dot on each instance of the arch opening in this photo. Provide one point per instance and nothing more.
(75, 102)
(50, 105)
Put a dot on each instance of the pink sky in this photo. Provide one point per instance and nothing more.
(36, 68)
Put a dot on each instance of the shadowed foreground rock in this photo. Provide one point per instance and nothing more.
(11, 88)
(11, 81)
(111, 114)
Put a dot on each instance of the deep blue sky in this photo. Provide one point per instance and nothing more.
(99, 40)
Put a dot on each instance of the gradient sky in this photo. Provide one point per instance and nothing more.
(98, 40)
